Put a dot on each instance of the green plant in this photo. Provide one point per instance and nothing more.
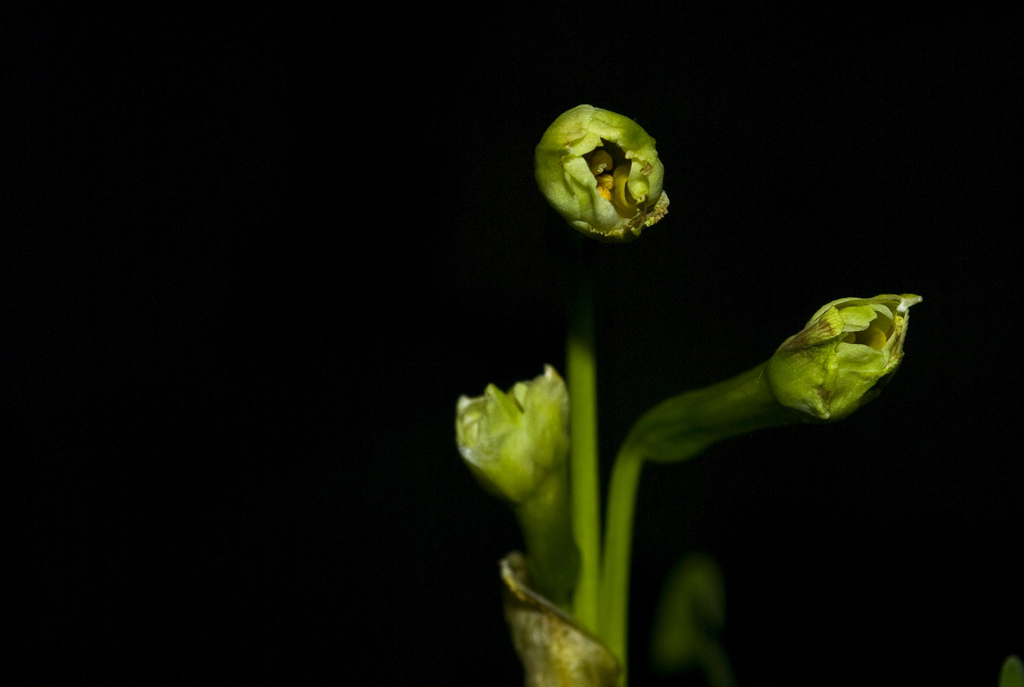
(536, 446)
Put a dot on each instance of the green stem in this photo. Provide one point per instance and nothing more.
(618, 546)
(583, 463)
(672, 431)
(551, 558)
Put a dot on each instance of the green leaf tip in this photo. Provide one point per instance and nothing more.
(1012, 674)
(601, 172)
(834, 364)
(689, 615)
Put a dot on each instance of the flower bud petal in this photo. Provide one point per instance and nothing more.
(601, 172)
(832, 367)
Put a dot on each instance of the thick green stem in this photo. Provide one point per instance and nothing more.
(672, 431)
(583, 463)
(551, 556)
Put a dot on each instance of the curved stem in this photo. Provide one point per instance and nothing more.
(685, 425)
(583, 464)
(672, 431)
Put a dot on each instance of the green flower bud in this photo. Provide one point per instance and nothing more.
(517, 445)
(601, 172)
(512, 442)
(832, 367)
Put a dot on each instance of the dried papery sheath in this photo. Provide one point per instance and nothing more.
(554, 649)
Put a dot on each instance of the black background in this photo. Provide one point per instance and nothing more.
(254, 257)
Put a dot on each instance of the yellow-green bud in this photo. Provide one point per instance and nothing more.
(601, 172)
(514, 441)
(832, 366)
(517, 445)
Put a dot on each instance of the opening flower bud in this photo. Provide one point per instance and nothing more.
(601, 172)
(517, 445)
(513, 441)
(833, 366)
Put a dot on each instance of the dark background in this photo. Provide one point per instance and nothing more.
(254, 258)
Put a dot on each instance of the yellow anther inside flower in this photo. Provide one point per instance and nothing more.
(611, 170)
(600, 162)
(620, 195)
(873, 336)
